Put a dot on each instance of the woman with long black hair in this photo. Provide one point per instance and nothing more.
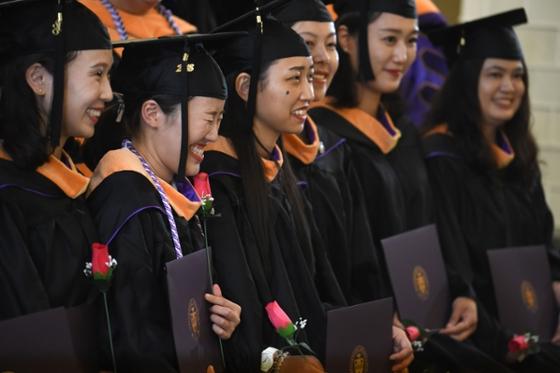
(377, 44)
(322, 162)
(263, 244)
(483, 166)
(51, 91)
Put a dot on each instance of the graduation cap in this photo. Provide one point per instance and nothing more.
(177, 66)
(244, 21)
(488, 37)
(267, 40)
(403, 8)
(54, 27)
(303, 10)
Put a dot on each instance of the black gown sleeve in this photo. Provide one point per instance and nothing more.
(243, 349)
(327, 285)
(137, 298)
(45, 241)
(368, 282)
(339, 211)
(445, 178)
(21, 285)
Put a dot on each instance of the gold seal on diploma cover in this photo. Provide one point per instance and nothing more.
(193, 318)
(359, 360)
(529, 296)
(421, 282)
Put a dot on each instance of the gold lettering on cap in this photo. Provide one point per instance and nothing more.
(190, 68)
(57, 25)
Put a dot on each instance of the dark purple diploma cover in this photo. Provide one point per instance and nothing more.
(359, 338)
(51, 341)
(523, 288)
(418, 277)
(195, 342)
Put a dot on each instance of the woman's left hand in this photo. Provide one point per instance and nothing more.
(224, 314)
(403, 354)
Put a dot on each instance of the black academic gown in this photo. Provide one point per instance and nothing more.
(398, 198)
(331, 186)
(289, 275)
(478, 211)
(395, 186)
(45, 241)
(127, 210)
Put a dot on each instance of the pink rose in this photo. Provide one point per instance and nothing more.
(202, 185)
(413, 333)
(518, 343)
(280, 320)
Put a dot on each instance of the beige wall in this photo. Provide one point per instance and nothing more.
(541, 45)
(450, 8)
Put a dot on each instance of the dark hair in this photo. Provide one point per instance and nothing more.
(237, 127)
(458, 106)
(133, 109)
(109, 134)
(343, 88)
(22, 128)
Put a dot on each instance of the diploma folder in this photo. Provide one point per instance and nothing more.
(196, 344)
(523, 288)
(418, 277)
(52, 341)
(359, 338)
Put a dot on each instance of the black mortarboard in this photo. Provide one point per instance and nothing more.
(488, 37)
(244, 21)
(278, 41)
(303, 10)
(54, 27)
(267, 40)
(155, 66)
(403, 8)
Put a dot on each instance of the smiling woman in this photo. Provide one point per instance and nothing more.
(500, 91)
(322, 160)
(265, 245)
(46, 231)
(377, 45)
(87, 91)
(483, 164)
(173, 111)
(287, 90)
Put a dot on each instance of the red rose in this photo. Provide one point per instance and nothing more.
(518, 343)
(413, 333)
(202, 185)
(100, 261)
